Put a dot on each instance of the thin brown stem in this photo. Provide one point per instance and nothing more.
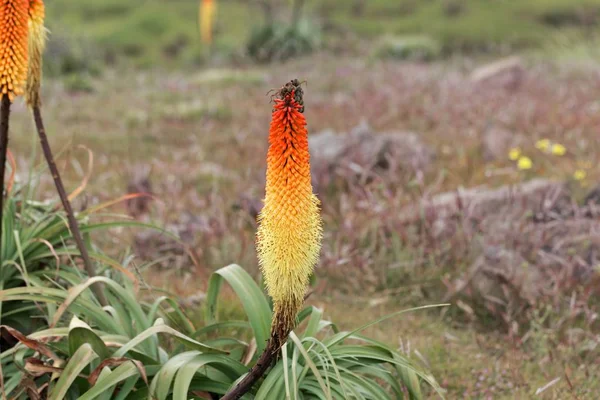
(256, 372)
(73, 225)
(4, 116)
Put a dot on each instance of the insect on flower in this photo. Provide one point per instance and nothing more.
(289, 233)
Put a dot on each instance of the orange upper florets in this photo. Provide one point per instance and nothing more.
(36, 11)
(14, 20)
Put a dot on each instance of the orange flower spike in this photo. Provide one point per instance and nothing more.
(13, 46)
(289, 233)
(207, 19)
(37, 43)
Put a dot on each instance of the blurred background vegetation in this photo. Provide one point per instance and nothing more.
(151, 33)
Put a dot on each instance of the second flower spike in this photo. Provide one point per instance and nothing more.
(14, 32)
(37, 43)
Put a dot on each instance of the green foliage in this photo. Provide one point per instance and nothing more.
(159, 33)
(414, 48)
(124, 337)
(278, 41)
(472, 25)
(34, 239)
(69, 55)
(150, 32)
(89, 352)
(572, 48)
(79, 83)
(38, 249)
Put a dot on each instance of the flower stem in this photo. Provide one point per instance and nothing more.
(4, 116)
(73, 225)
(256, 372)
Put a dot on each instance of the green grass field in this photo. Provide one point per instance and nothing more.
(146, 32)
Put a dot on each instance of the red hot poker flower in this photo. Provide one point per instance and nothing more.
(289, 234)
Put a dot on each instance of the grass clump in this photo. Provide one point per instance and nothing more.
(279, 41)
(413, 48)
(38, 246)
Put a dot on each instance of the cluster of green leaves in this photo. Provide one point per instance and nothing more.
(413, 48)
(280, 41)
(112, 360)
(91, 352)
(36, 243)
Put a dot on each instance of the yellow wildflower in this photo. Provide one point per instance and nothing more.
(579, 175)
(558, 149)
(524, 163)
(542, 144)
(514, 153)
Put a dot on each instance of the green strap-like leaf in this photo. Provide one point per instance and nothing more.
(81, 359)
(273, 386)
(309, 362)
(410, 379)
(252, 297)
(221, 325)
(127, 388)
(160, 386)
(80, 333)
(313, 323)
(107, 394)
(161, 328)
(187, 372)
(182, 319)
(119, 374)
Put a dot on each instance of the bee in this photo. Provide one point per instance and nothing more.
(292, 86)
